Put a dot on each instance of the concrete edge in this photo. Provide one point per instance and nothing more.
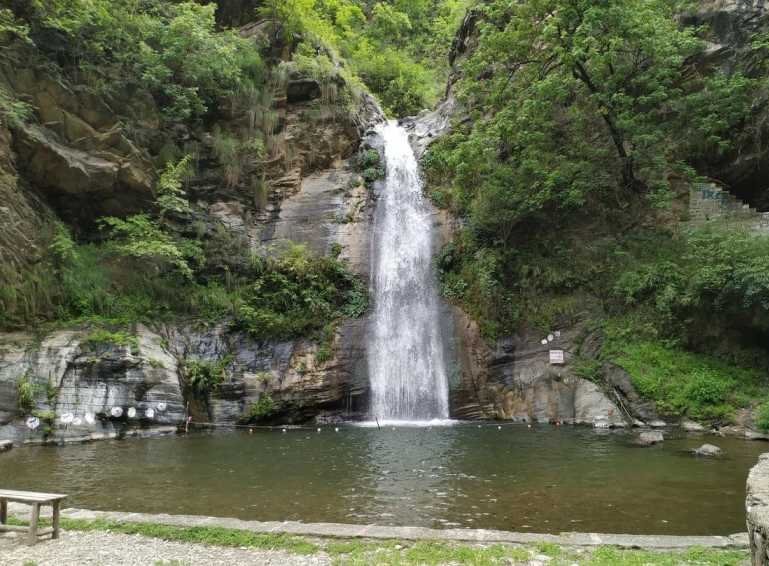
(382, 532)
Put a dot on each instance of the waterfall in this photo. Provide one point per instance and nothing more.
(406, 357)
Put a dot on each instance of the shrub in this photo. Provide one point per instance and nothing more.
(587, 369)
(264, 407)
(298, 293)
(326, 344)
(102, 337)
(761, 416)
(26, 392)
(684, 383)
(204, 376)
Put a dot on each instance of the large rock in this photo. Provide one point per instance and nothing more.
(757, 508)
(75, 152)
(76, 385)
(514, 379)
(302, 89)
(83, 185)
(289, 372)
(649, 438)
(691, 426)
(709, 450)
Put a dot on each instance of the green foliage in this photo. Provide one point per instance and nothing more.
(171, 197)
(11, 27)
(102, 337)
(404, 86)
(62, 246)
(581, 113)
(141, 237)
(397, 48)
(761, 416)
(587, 369)
(204, 376)
(581, 100)
(326, 343)
(264, 407)
(13, 112)
(707, 278)
(684, 383)
(297, 293)
(151, 240)
(26, 391)
(278, 297)
(171, 49)
(369, 164)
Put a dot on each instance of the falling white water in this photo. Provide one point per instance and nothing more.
(406, 358)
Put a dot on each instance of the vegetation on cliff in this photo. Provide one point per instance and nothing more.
(397, 47)
(192, 99)
(587, 123)
(191, 96)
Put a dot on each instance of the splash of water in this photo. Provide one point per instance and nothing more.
(406, 355)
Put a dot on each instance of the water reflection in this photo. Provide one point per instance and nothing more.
(408, 467)
(539, 479)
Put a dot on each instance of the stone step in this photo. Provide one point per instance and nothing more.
(710, 202)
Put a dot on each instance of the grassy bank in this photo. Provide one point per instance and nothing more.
(361, 552)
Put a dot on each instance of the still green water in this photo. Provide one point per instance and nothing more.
(544, 479)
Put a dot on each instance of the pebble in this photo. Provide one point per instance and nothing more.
(80, 548)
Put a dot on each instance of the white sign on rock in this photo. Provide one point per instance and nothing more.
(556, 357)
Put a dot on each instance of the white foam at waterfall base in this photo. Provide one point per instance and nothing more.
(407, 424)
(406, 355)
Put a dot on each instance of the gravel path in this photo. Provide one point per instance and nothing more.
(91, 548)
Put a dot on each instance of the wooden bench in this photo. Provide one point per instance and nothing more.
(35, 500)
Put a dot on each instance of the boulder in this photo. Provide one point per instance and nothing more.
(691, 426)
(757, 511)
(755, 435)
(5, 445)
(708, 450)
(77, 384)
(80, 184)
(513, 379)
(649, 438)
(302, 90)
(620, 381)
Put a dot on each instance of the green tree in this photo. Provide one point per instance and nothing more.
(154, 240)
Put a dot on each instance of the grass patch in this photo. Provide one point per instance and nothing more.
(357, 552)
(435, 553)
(215, 536)
(608, 556)
(684, 383)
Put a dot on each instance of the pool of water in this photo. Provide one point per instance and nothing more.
(544, 479)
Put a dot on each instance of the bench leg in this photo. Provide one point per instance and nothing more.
(33, 523)
(55, 534)
(3, 512)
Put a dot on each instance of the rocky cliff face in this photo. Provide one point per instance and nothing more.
(82, 390)
(514, 379)
(76, 160)
(730, 25)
